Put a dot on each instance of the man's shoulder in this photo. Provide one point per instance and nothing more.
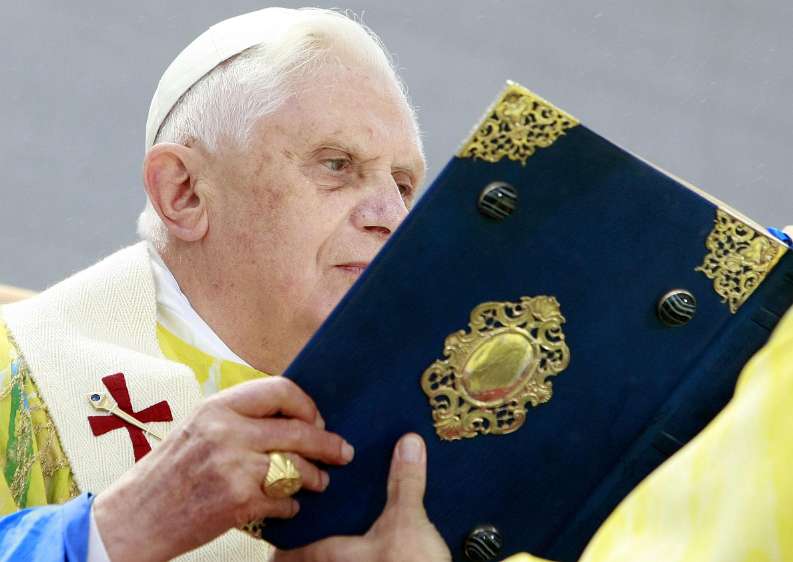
(117, 268)
(110, 301)
(116, 275)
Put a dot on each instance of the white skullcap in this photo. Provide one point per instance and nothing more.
(217, 44)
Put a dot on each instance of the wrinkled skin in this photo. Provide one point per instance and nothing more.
(402, 533)
(283, 227)
(264, 239)
(212, 468)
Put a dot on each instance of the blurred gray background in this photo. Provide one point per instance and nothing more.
(701, 88)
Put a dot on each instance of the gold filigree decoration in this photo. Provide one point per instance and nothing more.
(515, 126)
(496, 369)
(738, 259)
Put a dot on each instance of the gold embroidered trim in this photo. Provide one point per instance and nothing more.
(19, 452)
(493, 371)
(738, 259)
(516, 125)
(50, 454)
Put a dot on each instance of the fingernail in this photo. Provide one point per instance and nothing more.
(347, 451)
(325, 479)
(295, 507)
(319, 422)
(410, 449)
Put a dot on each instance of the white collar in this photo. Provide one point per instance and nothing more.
(178, 316)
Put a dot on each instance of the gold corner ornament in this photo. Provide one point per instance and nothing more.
(515, 126)
(738, 259)
(493, 371)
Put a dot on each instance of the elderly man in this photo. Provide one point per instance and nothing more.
(281, 154)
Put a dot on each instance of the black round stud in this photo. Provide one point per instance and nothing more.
(677, 308)
(95, 397)
(483, 544)
(498, 200)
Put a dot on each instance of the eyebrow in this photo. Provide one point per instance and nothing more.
(334, 142)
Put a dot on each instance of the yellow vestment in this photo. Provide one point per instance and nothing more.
(35, 467)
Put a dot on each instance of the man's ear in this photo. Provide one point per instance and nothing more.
(171, 174)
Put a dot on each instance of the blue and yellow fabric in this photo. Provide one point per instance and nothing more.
(36, 471)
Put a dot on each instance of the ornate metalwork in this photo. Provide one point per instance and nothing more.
(738, 259)
(517, 124)
(492, 372)
(283, 479)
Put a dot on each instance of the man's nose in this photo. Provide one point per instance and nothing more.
(382, 209)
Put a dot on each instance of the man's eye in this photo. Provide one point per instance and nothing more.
(405, 185)
(336, 164)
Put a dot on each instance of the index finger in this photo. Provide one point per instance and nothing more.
(267, 397)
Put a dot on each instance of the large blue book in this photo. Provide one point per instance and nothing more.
(556, 317)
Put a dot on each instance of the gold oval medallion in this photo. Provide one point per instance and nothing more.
(498, 366)
(496, 369)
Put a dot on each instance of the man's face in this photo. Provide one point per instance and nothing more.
(300, 212)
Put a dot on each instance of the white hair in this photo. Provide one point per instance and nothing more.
(226, 103)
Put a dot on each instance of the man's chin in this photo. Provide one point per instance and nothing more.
(321, 312)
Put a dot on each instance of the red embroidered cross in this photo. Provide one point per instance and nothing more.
(159, 412)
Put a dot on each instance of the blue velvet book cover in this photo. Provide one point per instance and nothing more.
(555, 317)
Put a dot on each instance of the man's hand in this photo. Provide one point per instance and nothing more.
(402, 533)
(207, 476)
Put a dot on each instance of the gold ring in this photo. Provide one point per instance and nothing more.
(283, 478)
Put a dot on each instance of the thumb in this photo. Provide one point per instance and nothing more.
(408, 477)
